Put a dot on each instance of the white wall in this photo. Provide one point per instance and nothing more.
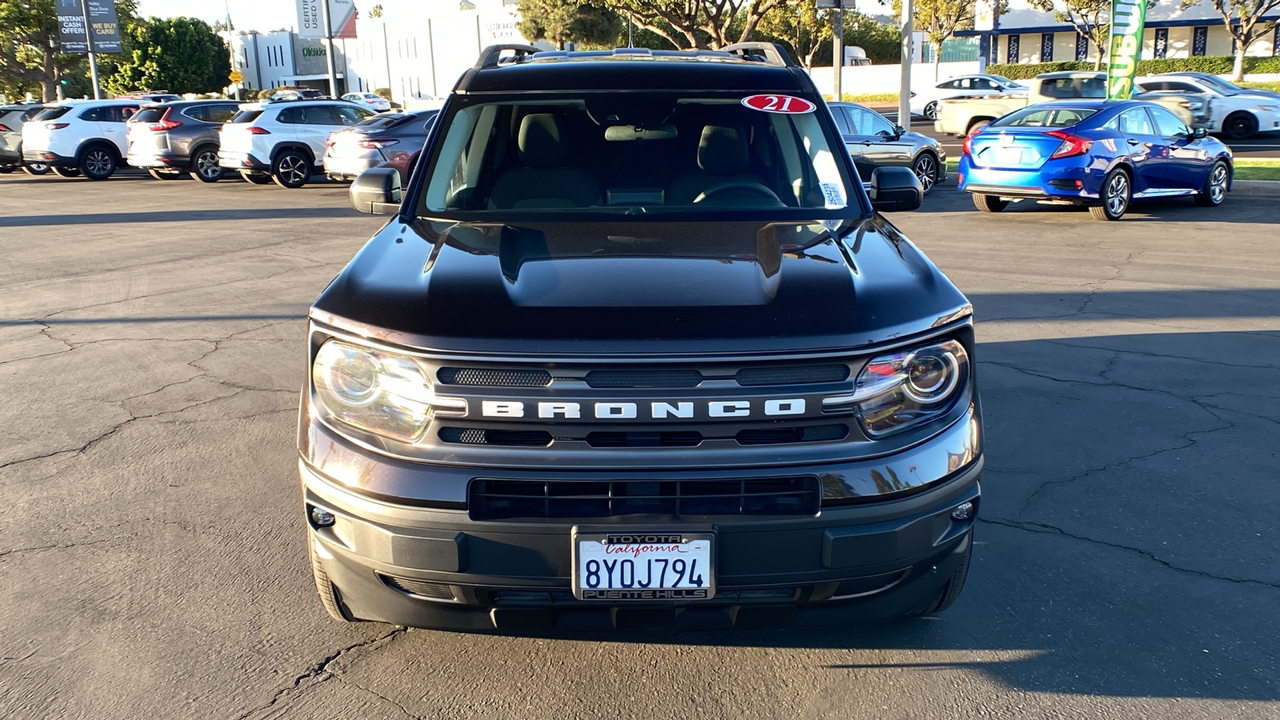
(866, 79)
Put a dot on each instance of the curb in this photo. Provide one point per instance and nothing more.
(1255, 187)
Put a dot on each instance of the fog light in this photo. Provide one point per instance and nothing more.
(963, 511)
(324, 518)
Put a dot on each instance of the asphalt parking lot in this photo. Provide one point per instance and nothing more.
(152, 554)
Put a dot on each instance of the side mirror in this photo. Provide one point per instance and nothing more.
(376, 191)
(894, 189)
(1199, 132)
(899, 131)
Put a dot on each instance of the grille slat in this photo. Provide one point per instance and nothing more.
(510, 438)
(644, 378)
(493, 378)
(502, 499)
(794, 434)
(796, 375)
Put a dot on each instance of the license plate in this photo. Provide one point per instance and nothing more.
(643, 566)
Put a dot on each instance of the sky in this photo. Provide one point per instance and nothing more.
(261, 15)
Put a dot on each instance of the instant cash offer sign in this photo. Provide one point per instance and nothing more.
(1127, 20)
(104, 28)
(342, 17)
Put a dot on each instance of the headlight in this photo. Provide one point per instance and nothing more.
(906, 389)
(382, 392)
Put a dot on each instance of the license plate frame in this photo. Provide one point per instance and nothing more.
(699, 545)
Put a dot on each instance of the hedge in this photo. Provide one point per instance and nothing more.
(1218, 65)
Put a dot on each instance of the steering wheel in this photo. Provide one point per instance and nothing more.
(737, 185)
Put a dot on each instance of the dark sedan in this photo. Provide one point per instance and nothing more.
(875, 142)
(394, 139)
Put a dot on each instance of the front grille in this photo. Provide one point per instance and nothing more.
(493, 378)
(644, 378)
(781, 435)
(797, 375)
(644, 439)
(500, 499)
(510, 438)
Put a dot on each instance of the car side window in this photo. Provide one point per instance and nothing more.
(350, 116)
(879, 126)
(94, 114)
(221, 113)
(320, 115)
(1167, 123)
(197, 112)
(983, 84)
(842, 120)
(290, 116)
(1135, 121)
(1183, 87)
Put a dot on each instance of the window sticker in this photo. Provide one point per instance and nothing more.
(781, 104)
(834, 195)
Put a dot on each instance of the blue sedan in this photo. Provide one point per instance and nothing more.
(1103, 154)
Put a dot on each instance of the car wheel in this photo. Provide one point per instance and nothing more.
(1240, 125)
(1215, 186)
(950, 592)
(165, 174)
(931, 110)
(255, 178)
(291, 169)
(6, 169)
(35, 169)
(67, 172)
(989, 203)
(205, 166)
(329, 596)
(1117, 191)
(926, 169)
(97, 163)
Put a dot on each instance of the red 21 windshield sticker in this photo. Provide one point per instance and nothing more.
(784, 104)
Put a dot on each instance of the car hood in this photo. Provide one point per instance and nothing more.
(639, 287)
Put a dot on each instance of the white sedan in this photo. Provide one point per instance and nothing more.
(925, 101)
(369, 100)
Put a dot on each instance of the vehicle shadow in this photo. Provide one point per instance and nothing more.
(277, 213)
(1235, 209)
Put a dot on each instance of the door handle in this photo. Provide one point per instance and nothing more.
(1134, 142)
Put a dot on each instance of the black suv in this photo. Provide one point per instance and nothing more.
(637, 351)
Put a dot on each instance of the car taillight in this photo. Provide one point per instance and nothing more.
(56, 126)
(964, 146)
(162, 125)
(375, 144)
(255, 130)
(1070, 146)
(913, 94)
(4, 128)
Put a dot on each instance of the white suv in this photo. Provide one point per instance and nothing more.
(74, 138)
(374, 102)
(283, 141)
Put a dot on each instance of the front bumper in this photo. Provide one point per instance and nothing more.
(437, 567)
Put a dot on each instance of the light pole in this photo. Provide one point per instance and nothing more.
(328, 47)
(904, 92)
(88, 46)
(837, 49)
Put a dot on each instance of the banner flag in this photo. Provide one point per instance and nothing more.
(342, 15)
(1127, 20)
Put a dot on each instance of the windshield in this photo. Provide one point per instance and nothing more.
(639, 153)
(1220, 85)
(52, 113)
(1005, 81)
(147, 115)
(1045, 116)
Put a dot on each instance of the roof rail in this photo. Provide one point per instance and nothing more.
(491, 56)
(773, 53)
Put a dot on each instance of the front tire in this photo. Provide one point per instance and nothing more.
(205, 166)
(927, 171)
(989, 203)
(931, 110)
(1117, 191)
(329, 596)
(291, 169)
(97, 163)
(1215, 186)
(1240, 125)
(66, 172)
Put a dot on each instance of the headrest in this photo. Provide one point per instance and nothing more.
(723, 150)
(541, 142)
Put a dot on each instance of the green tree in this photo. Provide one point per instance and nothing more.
(181, 55)
(31, 54)
(563, 21)
(1243, 19)
(697, 23)
(881, 42)
(801, 26)
(375, 11)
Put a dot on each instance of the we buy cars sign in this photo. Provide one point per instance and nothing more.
(104, 27)
(342, 18)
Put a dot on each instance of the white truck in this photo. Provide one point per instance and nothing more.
(961, 116)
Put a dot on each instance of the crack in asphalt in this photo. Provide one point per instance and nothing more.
(53, 546)
(320, 671)
(377, 694)
(1046, 529)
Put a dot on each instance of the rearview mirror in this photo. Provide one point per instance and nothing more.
(376, 191)
(895, 189)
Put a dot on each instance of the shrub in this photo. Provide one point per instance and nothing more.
(1216, 64)
(383, 93)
